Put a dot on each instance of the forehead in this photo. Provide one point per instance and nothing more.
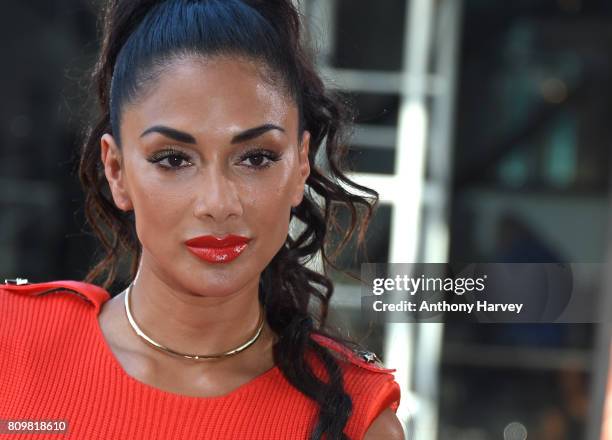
(221, 95)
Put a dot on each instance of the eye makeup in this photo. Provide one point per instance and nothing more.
(260, 158)
(261, 153)
(174, 157)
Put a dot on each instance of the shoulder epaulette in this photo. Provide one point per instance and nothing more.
(362, 358)
(90, 293)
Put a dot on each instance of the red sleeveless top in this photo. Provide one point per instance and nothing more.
(55, 365)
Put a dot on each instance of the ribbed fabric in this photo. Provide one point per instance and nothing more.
(56, 365)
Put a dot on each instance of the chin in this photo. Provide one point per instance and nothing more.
(216, 284)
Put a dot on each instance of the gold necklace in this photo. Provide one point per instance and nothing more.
(159, 346)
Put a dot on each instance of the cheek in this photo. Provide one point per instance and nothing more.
(268, 203)
(158, 207)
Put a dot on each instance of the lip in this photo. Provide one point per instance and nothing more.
(217, 250)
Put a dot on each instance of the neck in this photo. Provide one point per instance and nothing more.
(189, 322)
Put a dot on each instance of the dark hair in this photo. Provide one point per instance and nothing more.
(143, 37)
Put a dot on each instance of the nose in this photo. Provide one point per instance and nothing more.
(217, 197)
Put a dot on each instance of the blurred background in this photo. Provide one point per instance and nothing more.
(483, 124)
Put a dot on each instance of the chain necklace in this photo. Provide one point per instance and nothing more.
(159, 346)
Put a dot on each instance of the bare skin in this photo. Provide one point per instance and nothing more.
(177, 375)
(210, 184)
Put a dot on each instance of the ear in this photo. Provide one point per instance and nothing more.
(304, 168)
(112, 159)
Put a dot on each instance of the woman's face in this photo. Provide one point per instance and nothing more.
(210, 149)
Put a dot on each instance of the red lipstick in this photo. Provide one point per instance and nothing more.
(217, 250)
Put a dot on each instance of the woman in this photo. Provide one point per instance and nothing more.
(211, 118)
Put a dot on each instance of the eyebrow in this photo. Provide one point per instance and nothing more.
(181, 136)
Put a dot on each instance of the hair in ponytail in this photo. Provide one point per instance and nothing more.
(140, 39)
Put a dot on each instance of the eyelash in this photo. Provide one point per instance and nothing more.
(267, 154)
(171, 152)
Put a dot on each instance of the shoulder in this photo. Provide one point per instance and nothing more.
(356, 362)
(364, 359)
(372, 387)
(91, 294)
(35, 307)
(49, 321)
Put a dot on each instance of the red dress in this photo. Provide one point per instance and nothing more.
(56, 365)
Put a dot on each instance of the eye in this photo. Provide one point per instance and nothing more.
(260, 158)
(170, 159)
